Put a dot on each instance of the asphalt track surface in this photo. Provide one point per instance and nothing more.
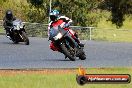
(38, 55)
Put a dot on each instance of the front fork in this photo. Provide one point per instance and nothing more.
(77, 48)
(20, 33)
(73, 41)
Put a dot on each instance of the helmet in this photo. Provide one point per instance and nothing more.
(9, 15)
(54, 14)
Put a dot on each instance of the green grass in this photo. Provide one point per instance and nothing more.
(106, 31)
(60, 80)
(2, 30)
(103, 24)
(114, 35)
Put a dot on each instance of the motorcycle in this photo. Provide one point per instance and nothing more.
(66, 44)
(18, 33)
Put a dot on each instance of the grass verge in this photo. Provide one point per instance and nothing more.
(106, 31)
(56, 78)
(114, 35)
(1, 30)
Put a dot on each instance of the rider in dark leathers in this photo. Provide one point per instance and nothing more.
(8, 21)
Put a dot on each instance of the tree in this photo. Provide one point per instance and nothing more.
(35, 3)
(118, 8)
(1, 1)
(83, 12)
(78, 10)
(38, 10)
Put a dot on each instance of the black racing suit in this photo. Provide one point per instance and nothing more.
(8, 24)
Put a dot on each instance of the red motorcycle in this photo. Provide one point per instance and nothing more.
(64, 42)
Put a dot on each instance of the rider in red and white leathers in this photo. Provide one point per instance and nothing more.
(64, 22)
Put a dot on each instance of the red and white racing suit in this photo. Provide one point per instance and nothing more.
(61, 21)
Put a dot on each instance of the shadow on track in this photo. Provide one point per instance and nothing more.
(61, 60)
(11, 43)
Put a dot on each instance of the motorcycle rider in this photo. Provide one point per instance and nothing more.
(8, 22)
(54, 17)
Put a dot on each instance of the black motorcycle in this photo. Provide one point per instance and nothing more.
(67, 45)
(18, 33)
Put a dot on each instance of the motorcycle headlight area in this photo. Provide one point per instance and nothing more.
(58, 36)
(16, 27)
(21, 25)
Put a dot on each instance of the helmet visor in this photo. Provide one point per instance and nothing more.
(9, 16)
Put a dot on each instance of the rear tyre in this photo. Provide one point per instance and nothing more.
(67, 53)
(25, 38)
(82, 56)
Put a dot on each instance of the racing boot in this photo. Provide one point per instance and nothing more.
(81, 45)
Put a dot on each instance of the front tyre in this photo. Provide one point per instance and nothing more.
(25, 38)
(82, 56)
(67, 53)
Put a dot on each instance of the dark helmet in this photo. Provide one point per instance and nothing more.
(54, 15)
(9, 15)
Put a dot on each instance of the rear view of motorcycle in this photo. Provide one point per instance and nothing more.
(18, 33)
(66, 44)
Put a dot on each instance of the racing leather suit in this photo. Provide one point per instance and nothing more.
(64, 23)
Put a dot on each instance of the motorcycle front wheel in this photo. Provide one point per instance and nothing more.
(67, 53)
(25, 38)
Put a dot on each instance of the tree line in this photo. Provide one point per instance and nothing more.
(83, 12)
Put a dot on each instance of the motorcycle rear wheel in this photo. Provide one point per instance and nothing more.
(82, 56)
